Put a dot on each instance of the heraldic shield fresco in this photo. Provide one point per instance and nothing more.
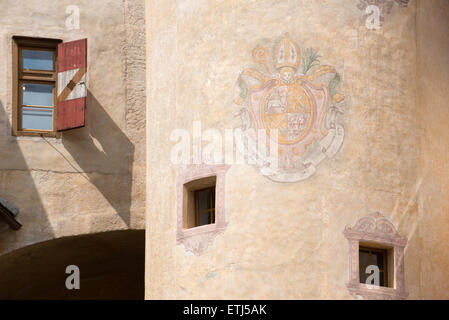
(290, 92)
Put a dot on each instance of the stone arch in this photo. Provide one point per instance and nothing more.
(111, 267)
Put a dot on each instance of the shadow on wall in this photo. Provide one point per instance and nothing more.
(17, 183)
(101, 150)
(105, 155)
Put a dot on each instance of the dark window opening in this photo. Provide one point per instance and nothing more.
(199, 202)
(373, 257)
(205, 206)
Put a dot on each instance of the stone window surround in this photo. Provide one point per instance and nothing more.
(197, 239)
(376, 229)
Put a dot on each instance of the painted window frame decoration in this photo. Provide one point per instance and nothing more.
(197, 239)
(377, 230)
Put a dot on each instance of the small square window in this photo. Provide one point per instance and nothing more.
(376, 245)
(200, 202)
(373, 257)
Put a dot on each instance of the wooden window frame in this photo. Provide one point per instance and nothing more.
(384, 252)
(19, 76)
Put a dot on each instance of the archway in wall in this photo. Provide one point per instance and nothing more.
(111, 266)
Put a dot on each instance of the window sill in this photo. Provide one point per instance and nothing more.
(46, 134)
(195, 231)
(372, 292)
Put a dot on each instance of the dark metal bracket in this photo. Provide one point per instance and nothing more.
(9, 213)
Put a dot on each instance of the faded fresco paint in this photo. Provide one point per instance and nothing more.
(304, 107)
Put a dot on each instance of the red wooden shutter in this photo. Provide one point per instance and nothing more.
(72, 89)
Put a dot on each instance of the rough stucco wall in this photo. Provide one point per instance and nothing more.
(433, 115)
(283, 241)
(93, 179)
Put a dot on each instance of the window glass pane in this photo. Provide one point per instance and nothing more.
(363, 263)
(206, 206)
(37, 94)
(37, 118)
(204, 202)
(378, 260)
(205, 218)
(37, 60)
(369, 257)
(382, 279)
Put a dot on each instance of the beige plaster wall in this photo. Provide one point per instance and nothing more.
(433, 119)
(93, 178)
(285, 241)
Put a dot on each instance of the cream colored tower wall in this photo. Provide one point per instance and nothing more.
(285, 241)
(433, 119)
(93, 178)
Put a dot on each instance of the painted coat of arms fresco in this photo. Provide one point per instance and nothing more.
(289, 92)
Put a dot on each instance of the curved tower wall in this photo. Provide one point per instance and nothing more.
(285, 240)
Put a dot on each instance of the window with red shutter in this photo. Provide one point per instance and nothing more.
(49, 86)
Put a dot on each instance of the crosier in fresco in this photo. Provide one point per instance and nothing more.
(297, 97)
